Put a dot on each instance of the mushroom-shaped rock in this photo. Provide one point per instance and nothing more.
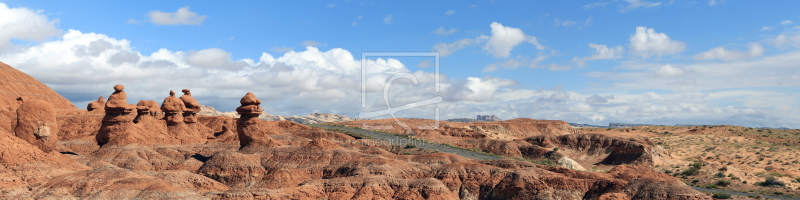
(36, 123)
(192, 107)
(247, 126)
(97, 106)
(147, 110)
(117, 101)
(191, 104)
(173, 109)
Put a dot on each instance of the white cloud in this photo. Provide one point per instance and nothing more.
(312, 43)
(509, 64)
(331, 5)
(601, 52)
(766, 28)
(354, 23)
(180, 17)
(786, 22)
(595, 4)
(281, 49)
(559, 22)
(133, 21)
(450, 12)
(426, 63)
(669, 71)
(387, 20)
(646, 42)
(442, 32)
(504, 39)
(445, 49)
(213, 58)
(24, 24)
(83, 66)
(714, 2)
(635, 4)
(725, 54)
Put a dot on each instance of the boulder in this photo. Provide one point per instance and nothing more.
(97, 106)
(36, 124)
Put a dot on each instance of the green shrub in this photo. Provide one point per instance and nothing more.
(771, 181)
(410, 145)
(723, 183)
(555, 149)
(697, 165)
(721, 195)
(719, 175)
(711, 186)
(691, 171)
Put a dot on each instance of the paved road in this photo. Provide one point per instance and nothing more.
(403, 141)
(741, 193)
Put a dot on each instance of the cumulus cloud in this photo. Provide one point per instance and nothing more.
(213, 58)
(786, 22)
(180, 17)
(24, 24)
(504, 39)
(635, 4)
(444, 32)
(722, 53)
(766, 28)
(646, 42)
(83, 66)
(311, 43)
(450, 12)
(601, 52)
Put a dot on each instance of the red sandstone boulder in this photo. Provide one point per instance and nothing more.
(36, 124)
(97, 106)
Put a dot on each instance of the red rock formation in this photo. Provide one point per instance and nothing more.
(36, 123)
(173, 109)
(97, 106)
(148, 110)
(13, 84)
(607, 150)
(249, 127)
(192, 107)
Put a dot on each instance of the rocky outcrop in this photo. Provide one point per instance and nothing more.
(118, 126)
(490, 118)
(173, 108)
(97, 106)
(36, 124)
(147, 111)
(14, 84)
(192, 107)
(607, 150)
(249, 128)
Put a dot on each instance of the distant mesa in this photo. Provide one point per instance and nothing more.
(488, 118)
(313, 118)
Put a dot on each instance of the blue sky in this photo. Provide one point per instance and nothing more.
(634, 61)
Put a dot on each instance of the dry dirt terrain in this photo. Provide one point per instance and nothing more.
(116, 149)
(743, 156)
